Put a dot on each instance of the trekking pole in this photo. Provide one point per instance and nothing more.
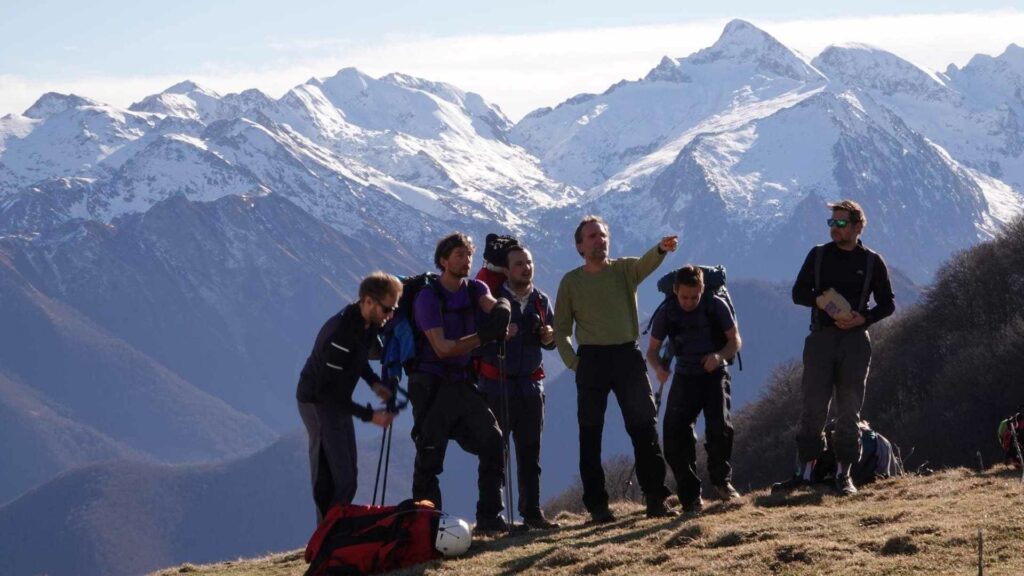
(387, 461)
(394, 407)
(380, 458)
(506, 433)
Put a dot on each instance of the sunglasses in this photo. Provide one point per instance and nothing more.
(838, 222)
(386, 309)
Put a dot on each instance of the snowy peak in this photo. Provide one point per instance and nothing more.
(404, 104)
(666, 71)
(53, 103)
(743, 43)
(190, 87)
(870, 68)
(487, 118)
(1011, 59)
(185, 99)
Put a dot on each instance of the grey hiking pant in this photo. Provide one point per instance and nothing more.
(836, 364)
(332, 455)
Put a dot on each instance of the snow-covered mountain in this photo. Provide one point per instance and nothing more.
(397, 159)
(753, 197)
(621, 137)
(182, 252)
(975, 114)
(738, 146)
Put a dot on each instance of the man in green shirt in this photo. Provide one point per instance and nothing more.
(600, 298)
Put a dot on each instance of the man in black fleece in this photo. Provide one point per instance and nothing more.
(837, 352)
(338, 360)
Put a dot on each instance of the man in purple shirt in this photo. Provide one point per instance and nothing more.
(445, 401)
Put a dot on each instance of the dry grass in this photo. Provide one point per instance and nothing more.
(914, 525)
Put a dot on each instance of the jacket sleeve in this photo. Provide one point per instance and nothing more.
(369, 375)
(640, 268)
(563, 325)
(803, 288)
(881, 289)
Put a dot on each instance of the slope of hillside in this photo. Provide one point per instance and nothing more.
(127, 517)
(910, 525)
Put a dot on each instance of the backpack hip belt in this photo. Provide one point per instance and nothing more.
(491, 372)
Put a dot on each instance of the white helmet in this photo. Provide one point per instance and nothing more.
(453, 536)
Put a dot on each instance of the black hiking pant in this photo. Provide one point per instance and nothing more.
(836, 364)
(332, 455)
(453, 409)
(525, 425)
(620, 369)
(691, 394)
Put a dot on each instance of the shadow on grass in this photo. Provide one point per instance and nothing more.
(805, 497)
(556, 554)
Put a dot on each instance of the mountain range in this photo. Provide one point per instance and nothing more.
(164, 267)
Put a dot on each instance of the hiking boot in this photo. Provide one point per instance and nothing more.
(793, 483)
(603, 516)
(692, 507)
(725, 491)
(491, 525)
(539, 522)
(656, 508)
(844, 485)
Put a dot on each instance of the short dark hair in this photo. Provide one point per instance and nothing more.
(448, 244)
(515, 248)
(856, 212)
(688, 275)
(379, 285)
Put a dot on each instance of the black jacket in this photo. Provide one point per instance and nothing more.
(338, 360)
(844, 271)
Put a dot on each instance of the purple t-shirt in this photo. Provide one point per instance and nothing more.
(459, 320)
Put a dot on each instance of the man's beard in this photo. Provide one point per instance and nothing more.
(517, 284)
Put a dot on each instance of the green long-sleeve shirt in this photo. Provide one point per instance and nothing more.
(601, 304)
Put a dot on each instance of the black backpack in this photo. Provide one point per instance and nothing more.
(714, 285)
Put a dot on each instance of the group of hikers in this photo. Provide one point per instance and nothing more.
(477, 374)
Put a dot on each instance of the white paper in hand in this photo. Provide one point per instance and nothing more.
(834, 305)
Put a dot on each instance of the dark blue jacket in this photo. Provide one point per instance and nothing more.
(523, 355)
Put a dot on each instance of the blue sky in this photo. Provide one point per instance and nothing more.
(520, 55)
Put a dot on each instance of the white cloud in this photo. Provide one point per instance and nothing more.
(522, 72)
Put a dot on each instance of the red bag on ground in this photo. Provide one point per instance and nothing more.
(356, 540)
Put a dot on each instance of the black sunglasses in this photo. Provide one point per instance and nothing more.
(838, 222)
(386, 309)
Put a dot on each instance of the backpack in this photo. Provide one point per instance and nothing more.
(714, 285)
(1009, 429)
(495, 258)
(877, 458)
(400, 337)
(355, 540)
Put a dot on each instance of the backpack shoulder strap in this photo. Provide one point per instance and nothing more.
(819, 256)
(650, 322)
(540, 303)
(866, 290)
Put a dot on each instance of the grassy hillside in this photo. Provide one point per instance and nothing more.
(910, 525)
